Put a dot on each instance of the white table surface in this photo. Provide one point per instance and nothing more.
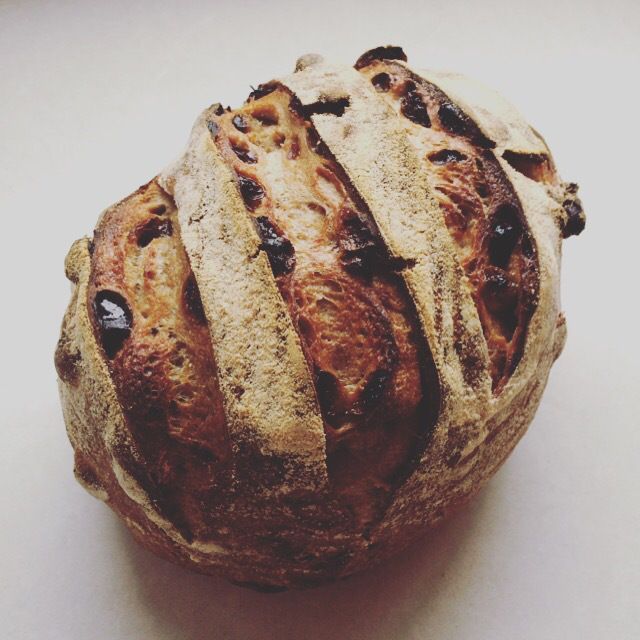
(95, 97)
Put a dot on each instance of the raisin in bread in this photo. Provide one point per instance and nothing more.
(323, 328)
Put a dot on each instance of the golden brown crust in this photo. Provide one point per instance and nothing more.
(334, 412)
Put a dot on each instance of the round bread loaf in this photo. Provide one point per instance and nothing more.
(323, 328)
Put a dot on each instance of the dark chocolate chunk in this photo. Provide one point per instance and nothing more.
(277, 246)
(152, 229)
(382, 82)
(245, 154)
(335, 107)
(445, 156)
(452, 119)
(358, 240)
(374, 388)
(572, 187)
(388, 52)
(575, 218)
(500, 295)
(260, 91)
(114, 320)
(505, 232)
(482, 189)
(412, 106)
(193, 301)
(240, 123)
(328, 392)
(499, 292)
(252, 192)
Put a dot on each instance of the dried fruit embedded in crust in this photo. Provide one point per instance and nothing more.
(354, 318)
(148, 317)
(480, 208)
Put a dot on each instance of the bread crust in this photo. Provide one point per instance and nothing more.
(277, 520)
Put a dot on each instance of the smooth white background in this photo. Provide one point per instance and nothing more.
(95, 97)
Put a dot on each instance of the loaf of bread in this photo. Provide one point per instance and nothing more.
(323, 328)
